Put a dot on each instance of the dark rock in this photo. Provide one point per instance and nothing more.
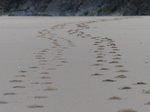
(74, 7)
(21, 13)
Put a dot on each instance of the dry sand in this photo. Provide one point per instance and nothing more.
(74, 64)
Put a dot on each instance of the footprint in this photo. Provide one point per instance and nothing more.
(45, 77)
(99, 57)
(127, 110)
(109, 39)
(69, 31)
(50, 89)
(39, 53)
(117, 58)
(22, 71)
(20, 76)
(33, 67)
(97, 65)
(112, 52)
(47, 83)
(93, 37)
(101, 60)
(44, 51)
(96, 42)
(101, 49)
(36, 106)
(119, 66)
(83, 36)
(40, 32)
(16, 81)
(112, 45)
(18, 87)
(42, 64)
(51, 69)
(115, 49)
(64, 61)
(146, 92)
(3, 102)
(88, 35)
(96, 51)
(96, 74)
(41, 97)
(101, 54)
(114, 98)
(121, 76)
(42, 60)
(126, 87)
(35, 82)
(54, 47)
(109, 80)
(140, 83)
(114, 62)
(101, 46)
(118, 55)
(61, 59)
(9, 94)
(78, 35)
(147, 103)
(44, 73)
(122, 71)
(104, 69)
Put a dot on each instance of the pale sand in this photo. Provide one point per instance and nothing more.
(74, 64)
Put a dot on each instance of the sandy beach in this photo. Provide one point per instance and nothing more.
(74, 64)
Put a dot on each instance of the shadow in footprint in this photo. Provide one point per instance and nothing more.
(36, 106)
(109, 80)
(122, 71)
(33, 67)
(41, 97)
(96, 74)
(119, 66)
(114, 62)
(20, 76)
(44, 73)
(16, 81)
(140, 83)
(22, 71)
(3, 102)
(97, 65)
(18, 87)
(104, 69)
(114, 98)
(9, 94)
(127, 110)
(147, 103)
(50, 89)
(125, 88)
(121, 76)
(44, 77)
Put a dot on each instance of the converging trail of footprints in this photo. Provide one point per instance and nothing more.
(107, 60)
(48, 60)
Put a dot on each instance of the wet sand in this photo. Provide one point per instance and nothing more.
(74, 64)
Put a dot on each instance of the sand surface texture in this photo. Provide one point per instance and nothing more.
(74, 64)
